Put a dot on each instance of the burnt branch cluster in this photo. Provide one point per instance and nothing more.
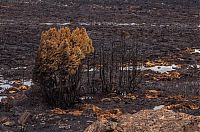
(111, 68)
(67, 66)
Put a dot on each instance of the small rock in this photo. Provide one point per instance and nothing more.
(9, 123)
(3, 119)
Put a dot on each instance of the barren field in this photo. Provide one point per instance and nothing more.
(167, 34)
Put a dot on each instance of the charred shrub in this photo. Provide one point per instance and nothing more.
(58, 64)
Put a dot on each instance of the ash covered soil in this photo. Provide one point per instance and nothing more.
(166, 30)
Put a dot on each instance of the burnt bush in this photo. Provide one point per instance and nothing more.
(58, 64)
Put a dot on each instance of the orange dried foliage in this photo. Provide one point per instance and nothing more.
(17, 82)
(159, 62)
(102, 115)
(184, 105)
(167, 76)
(23, 87)
(189, 50)
(75, 113)
(106, 100)
(107, 114)
(117, 99)
(152, 94)
(58, 111)
(17, 89)
(197, 98)
(178, 98)
(63, 48)
(129, 97)
(64, 112)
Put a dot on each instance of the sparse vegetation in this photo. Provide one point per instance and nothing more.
(136, 68)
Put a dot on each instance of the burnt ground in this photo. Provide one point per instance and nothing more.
(160, 28)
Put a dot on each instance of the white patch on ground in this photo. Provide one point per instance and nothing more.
(28, 83)
(2, 97)
(93, 23)
(91, 69)
(4, 87)
(63, 24)
(196, 51)
(2, 81)
(5, 84)
(84, 24)
(48, 23)
(161, 69)
(124, 94)
(158, 107)
(193, 66)
(126, 24)
(17, 68)
(86, 97)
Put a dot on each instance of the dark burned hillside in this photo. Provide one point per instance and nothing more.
(166, 36)
(171, 24)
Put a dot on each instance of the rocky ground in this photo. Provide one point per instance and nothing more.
(167, 33)
(148, 121)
